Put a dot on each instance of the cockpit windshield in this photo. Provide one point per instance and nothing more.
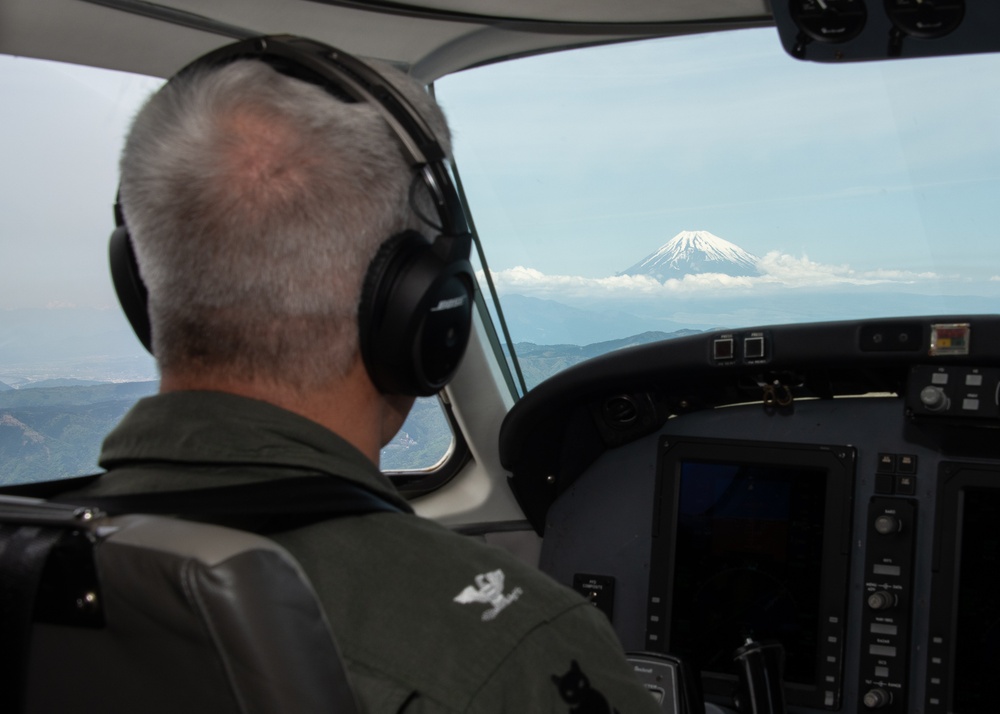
(641, 191)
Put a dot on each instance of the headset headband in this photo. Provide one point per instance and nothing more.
(334, 70)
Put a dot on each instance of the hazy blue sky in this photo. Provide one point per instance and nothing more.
(579, 165)
(61, 128)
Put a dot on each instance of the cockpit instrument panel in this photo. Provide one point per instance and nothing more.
(856, 30)
(831, 487)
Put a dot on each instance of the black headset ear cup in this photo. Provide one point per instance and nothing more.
(131, 291)
(414, 317)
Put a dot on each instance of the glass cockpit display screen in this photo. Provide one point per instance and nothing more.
(751, 542)
(977, 615)
(749, 563)
(964, 656)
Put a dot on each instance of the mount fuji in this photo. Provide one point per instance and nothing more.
(691, 252)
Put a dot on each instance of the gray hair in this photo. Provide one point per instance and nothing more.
(255, 203)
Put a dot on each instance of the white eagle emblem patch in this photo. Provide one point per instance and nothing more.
(489, 589)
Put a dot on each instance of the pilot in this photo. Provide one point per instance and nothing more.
(256, 203)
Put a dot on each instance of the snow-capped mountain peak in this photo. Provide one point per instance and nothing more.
(691, 252)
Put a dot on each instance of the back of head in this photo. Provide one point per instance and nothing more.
(255, 203)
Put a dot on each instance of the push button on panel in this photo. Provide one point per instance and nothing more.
(746, 348)
(723, 348)
(598, 589)
(896, 474)
(753, 347)
(906, 485)
(886, 463)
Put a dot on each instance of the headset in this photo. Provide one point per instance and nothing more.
(415, 312)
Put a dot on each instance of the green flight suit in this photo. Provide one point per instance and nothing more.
(427, 620)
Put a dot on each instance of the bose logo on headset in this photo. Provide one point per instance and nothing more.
(415, 313)
(449, 304)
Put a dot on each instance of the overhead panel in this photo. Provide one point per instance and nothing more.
(433, 38)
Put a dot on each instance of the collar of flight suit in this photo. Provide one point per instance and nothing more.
(233, 439)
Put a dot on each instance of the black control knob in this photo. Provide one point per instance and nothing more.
(887, 524)
(881, 600)
(933, 398)
(877, 698)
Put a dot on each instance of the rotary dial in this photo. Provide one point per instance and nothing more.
(829, 20)
(925, 18)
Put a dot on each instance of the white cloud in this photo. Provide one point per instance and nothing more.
(521, 278)
(777, 270)
(789, 271)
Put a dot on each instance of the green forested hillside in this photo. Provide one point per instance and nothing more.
(48, 433)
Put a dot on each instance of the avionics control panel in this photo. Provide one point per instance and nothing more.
(853, 30)
(707, 550)
(954, 391)
(891, 528)
(836, 490)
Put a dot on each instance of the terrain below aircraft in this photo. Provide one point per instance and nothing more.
(767, 451)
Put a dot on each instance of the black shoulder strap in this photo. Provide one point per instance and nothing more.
(264, 507)
(48, 489)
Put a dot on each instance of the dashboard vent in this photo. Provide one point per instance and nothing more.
(621, 412)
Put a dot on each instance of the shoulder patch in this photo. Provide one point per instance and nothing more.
(489, 590)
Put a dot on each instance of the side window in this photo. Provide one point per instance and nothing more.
(424, 441)
(69, 365)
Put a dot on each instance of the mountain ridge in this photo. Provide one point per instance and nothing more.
(539, 362)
